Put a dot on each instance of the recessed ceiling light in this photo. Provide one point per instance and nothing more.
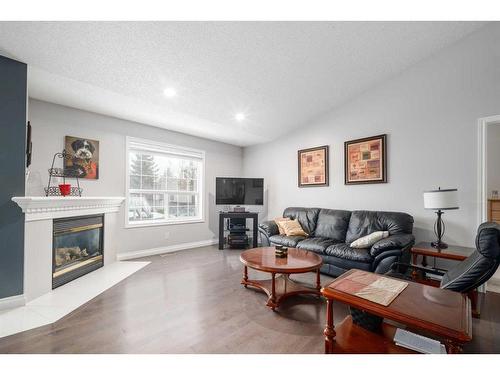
(240, 116)
(169, 92)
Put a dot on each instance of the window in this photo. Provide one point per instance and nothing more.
(164, 183)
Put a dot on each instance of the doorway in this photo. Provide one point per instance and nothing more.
(489, 166)
(489, 178)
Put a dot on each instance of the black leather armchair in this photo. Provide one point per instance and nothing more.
(465, 277)
(473, 271)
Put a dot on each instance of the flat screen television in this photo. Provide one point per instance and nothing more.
(246, 191)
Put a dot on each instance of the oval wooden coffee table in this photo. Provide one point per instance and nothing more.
(279, 287)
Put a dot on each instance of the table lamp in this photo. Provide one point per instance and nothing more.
(446, 199)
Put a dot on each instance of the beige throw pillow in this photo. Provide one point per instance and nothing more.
(293, 228)
(367, 241)
(278, 220)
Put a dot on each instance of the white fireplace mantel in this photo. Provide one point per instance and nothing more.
(42, 304)
(38, 234)
(45, 208)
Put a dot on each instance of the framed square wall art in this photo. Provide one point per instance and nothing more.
(84, 157)
(313, 166)
(365, 160)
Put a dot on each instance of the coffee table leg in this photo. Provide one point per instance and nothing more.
(272, 299)
(329, 331)
(318, 280)
(414, 273)
(245, 276)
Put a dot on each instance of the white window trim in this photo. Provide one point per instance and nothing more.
(142, 224)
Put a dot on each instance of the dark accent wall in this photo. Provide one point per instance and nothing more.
(12, 172)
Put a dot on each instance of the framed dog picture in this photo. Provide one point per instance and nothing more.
(313, 166)
(83, 160)
(365, 160)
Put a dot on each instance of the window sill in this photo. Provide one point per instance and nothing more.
(162, 223)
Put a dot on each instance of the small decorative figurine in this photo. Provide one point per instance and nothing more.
(281, 251)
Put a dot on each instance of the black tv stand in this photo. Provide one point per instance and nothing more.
(238, 215)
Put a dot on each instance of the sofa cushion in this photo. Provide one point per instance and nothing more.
(344, 251)
(278, 220)
(292, 228)
(367, 241)
(307, 217)
(316, 244)
(288, 241)
(363, 223)
(332, 224)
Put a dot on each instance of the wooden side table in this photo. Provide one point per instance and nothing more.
(453, 252)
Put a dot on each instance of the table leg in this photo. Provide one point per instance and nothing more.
(318, 280)
(414, 261)
(221, 231)
(475, 301)
(255, 238)
(329, 331)
(424, 261)
(453, 347)
(272, 300)
(245, 276)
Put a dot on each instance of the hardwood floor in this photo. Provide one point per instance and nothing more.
(192, 302)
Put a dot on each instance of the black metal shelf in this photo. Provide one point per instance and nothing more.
(53, 191)
(242, 215)
(59, 172)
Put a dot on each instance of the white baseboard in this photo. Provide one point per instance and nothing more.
(165, 249)
(12, 302)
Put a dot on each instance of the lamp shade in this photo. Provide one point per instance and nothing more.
(446, 199)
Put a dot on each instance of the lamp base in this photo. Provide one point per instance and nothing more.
(439, 245)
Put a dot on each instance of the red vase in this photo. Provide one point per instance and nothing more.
(65, 189)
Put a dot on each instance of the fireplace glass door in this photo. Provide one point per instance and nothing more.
(77, 247)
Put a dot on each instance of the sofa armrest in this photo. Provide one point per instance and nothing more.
(269, 228)
(395, 241)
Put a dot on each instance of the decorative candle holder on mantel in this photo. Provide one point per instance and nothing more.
(50, 190)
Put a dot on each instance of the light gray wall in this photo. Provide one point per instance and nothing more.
(493, 158)
(430, 114)
(51, 123)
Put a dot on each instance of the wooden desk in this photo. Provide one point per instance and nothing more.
(437, 312)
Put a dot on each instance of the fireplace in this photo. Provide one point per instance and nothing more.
(77, 247)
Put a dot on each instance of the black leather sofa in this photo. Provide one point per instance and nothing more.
(331, 232)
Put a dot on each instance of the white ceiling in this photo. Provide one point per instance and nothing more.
(281, 74)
